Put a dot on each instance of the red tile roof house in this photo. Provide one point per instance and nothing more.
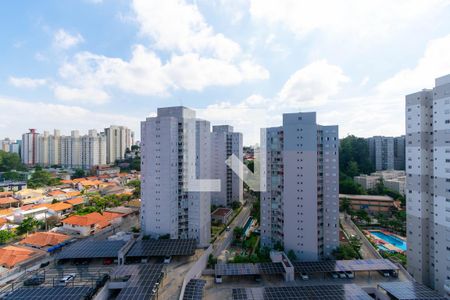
(44, 239)
(222, 215)
(90, 223)
(14, 256)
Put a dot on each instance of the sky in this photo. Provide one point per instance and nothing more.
(93, 63)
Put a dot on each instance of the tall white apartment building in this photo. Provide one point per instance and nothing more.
(118, 139)
(428, 184)
(30, 147)
(175, 151)
(224, 144)
(300, 207)
(74, 151)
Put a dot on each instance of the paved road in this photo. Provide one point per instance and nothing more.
(225, 239)
(366, 251)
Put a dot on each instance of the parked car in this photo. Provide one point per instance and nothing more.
(304, 276)
(342, 274)
(43, 265)
(66, 279)
(228, 228)
(167, 259)
(349, 274)
(218, 279)
(334, 275)
(107, 261)
(384, 273)
(37, 279)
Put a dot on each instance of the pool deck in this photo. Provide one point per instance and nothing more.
(387, 245)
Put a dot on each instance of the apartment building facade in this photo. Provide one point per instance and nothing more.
(387, 153)
(74, 151)
(300, 204)
(428, 184)
(175, 152)
(225, 143)
(118, 140)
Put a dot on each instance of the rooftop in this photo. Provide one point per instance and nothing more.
(44, 239)
(222, 211)
(408, 290)
(366, 197)
(10, 256)
(76, 201)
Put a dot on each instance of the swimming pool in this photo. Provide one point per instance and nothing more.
(247, 225)
(393, 240)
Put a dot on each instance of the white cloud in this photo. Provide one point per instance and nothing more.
(145, 74)
(434, 63)
(89, 95)
(64, 40)
(45, 116)
(312, 85)
(352, 18)
(177, 25)
(26, 82)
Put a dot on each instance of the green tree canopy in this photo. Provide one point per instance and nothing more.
(41, 178)
(354, 156)
(10, 161)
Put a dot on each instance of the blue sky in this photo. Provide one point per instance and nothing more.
(91, 63)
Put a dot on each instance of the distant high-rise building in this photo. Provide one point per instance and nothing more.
(381, 152)
(300, 207)
(30, 147)
(428, 184)
(399, 153)
(74, 151)
(118, 139)
(175, 149)
(224, 144)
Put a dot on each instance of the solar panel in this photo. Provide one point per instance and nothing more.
(344, 265)
(91, 249)
(66, 293)
(248, 269)
(142, 283)
(410, 290)
(194, 289)
(318, 292)
(145, 248)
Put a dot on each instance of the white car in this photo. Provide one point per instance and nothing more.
(334, 275)
(349, 274)
(167, 259)
(342, 274)
(304, 276)
(66, 279)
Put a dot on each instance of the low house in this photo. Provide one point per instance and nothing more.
(39, 213)
(13, 256)
(90, 223)
(7, 202)
(222, 215)
(369, 203)
(6, 194)
(75, 202)
(44, 239)
(57, 194)
(59, 209)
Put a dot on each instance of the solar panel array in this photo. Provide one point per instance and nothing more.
(248, 269)
(143, 282)
(144, 248)
(44, 293)
(91, 249)
(410, 290)
(194, 289)
(344, 265)
(318, 292)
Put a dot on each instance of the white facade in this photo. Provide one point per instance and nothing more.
(428, 184)
(367, 181)
(118, 139)
(175, 149)
(300, 207)
(30, 147)
(74, 151)
(225, 143)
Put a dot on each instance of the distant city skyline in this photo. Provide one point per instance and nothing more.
(60, 69)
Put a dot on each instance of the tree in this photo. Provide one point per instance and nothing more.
(10, 161)
(13, 176)
(345, 251)
(136, 184)
(238, 232)
(348, 186)
(41, 178)
(28, 224)
(345, 205)
(6, 236)
(79, 173)
(54, 201)
(354, 156)
(291, 255)
(52, 221)
(235, 205)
